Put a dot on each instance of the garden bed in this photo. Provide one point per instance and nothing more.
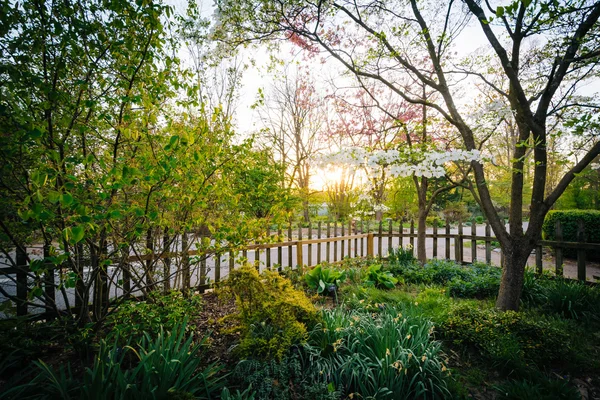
(356, 329)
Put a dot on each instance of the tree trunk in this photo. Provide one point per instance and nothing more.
(305, 210)
(421, 231)
(511, 283)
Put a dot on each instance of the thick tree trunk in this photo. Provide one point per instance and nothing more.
(511, 283)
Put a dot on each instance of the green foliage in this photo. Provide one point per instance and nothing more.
(289, 378)
(167, 367)
(383, 356)
(548, 389)
(567, 298)
(510, 340)
(569, 220)
(401, 256)
(376, 277)
(133, 318)
(272, 315)
(324, 280)
(434, 221)
(472, 281)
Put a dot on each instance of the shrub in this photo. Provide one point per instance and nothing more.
(473, 281)
(380, 279)
(134, 318)
(383, 356)
(167, 367)
(272, 315)
(569, 220)
(324, 279)
(510, 340)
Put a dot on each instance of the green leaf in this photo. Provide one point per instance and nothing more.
(66, 199)
(78, 233)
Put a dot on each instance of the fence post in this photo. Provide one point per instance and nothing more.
(319, 244)
(335, 244)
(268, 250)
(290, 247)
(370, 244)
(217, 267)
(342, 242)
(279, 249)
(299, 258)
(379, 240)
(458, 244)
(390, 233)
(412, 235)
(581, 238)
(473, 242)
(558, 271)
(435, 238)
(310, 245)
(539, 266)
(328, 245)
(447, 239)
(488, 243)
(21, 282)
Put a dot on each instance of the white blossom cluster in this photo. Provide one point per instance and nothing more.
(431, 164)
(595, 166)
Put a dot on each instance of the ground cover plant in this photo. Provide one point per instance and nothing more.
(424, 337)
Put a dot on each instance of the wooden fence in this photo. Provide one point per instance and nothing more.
(297, 246)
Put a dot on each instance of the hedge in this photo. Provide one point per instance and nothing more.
(569, 220)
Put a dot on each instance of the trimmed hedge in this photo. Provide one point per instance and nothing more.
(569, 220)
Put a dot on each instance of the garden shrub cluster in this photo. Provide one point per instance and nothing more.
(132, 318)
(510, 340)
(272, 315)
(472, 281)
(569, 220)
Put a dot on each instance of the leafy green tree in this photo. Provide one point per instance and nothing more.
(103, 155)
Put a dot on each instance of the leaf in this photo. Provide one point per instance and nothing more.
(78, 233)
(66, 199)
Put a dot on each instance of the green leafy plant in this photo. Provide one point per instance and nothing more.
(170, 366)
(401, 256)
(375, 276)
(272, 315)
(134, 318)
(324, 279)
(290, 378)
(509, 339)
(384, 356)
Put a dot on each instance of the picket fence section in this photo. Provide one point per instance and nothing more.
(295, 247)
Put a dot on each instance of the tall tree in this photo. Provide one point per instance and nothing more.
(294, 114)
(381, 39)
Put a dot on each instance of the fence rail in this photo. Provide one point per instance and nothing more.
(299, 247)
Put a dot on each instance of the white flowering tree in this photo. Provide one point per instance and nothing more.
(405, 163)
